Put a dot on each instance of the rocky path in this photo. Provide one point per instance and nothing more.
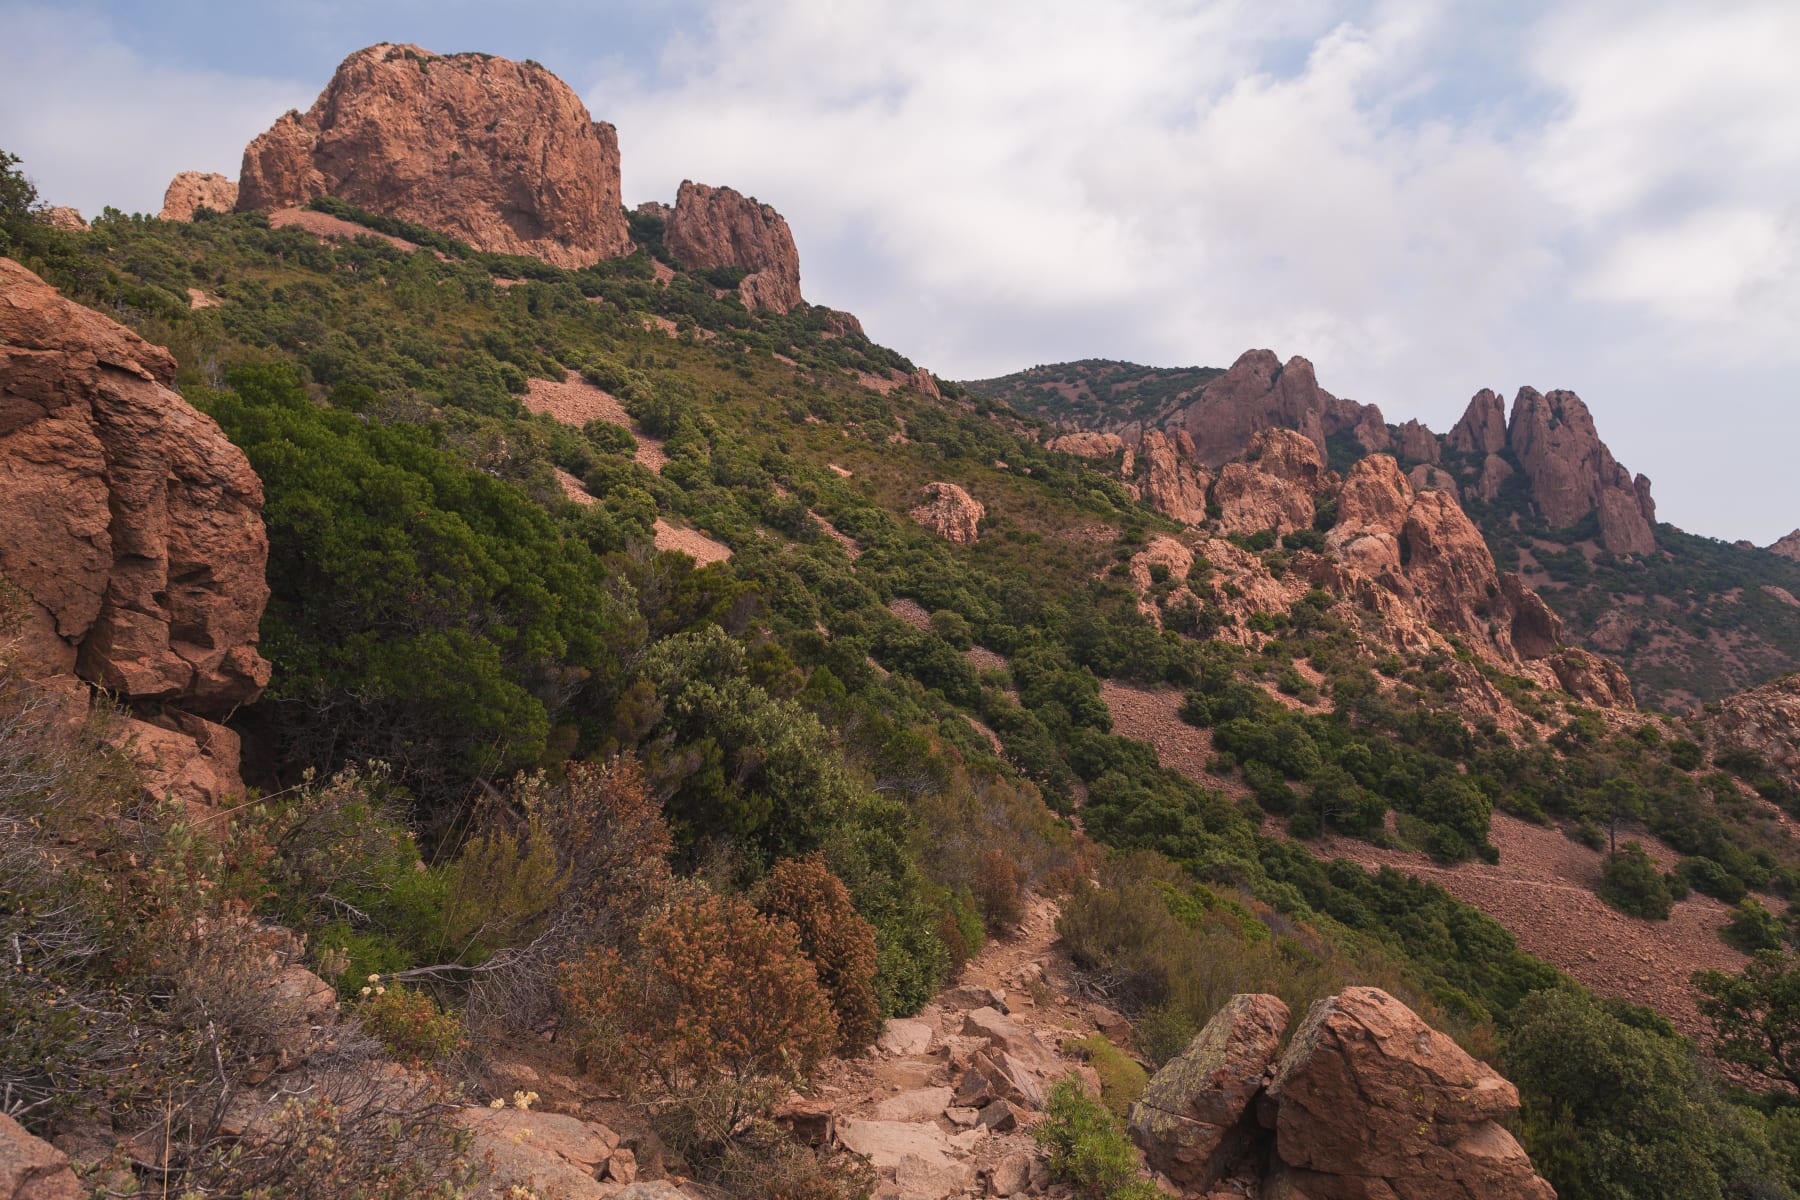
(944, 1104)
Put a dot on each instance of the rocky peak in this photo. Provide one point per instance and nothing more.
(1572, 473)
(1273, 487)
(191, 191)
(1482, 429)
(501, 154)
(1367, 1100)
(136, 533)
(1261, 392)
(720, 227)
(1787, 547)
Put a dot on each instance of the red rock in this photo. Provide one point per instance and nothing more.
(1572, 473)
(719, 227)
(500, 154)
(1175, 487)
(136, 530)
(1273, 489)
(1196, 1117)
(63, 217)
(1416, 443)
(192, 191)
(32, 1169)
(951, 513)
(1368, 1093)
(1764, 721)
(1482, 429)
(1787, 547)
(1425, 477)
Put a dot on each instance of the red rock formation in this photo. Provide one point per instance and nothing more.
(1572, 473)
(1174, 486)
(1482, 429)
(33, 1169)
(719, 227)
(136, 530)
(1599, 681)
(498, 153)
(1416, 443)
(951, 513)
(1273, 489)
(1425, 477)
(62, 217)
(1765, 721)
(191, 191)
(1258, 393)
(1788, 547)
(1367, 1103)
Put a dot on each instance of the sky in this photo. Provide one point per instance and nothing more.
(1425, 199)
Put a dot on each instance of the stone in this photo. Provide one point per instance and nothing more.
(995, 1075)
(191, 191)
(500, 154)
(1011, 1175)
(951, 513)
(903, 1037)
(136, 532)
(547, 1153)
(32, 1169)
(1572, 473)
(1005, 1034)
(1000, 1116)
(718, 227)
(62, 217)
(966, 996)
(1175, 486)
(1196, 1116)
(919, 1104)
(809, 1120)
(621, 1166)
(652, 1189)
(1367, 1091)
(1273, 488)
(1482, 429)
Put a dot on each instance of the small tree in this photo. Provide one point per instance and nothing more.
(1631, 883)
(1756, 1014)
(804, 892)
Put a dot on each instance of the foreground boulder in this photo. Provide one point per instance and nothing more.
(1367, 1102)
(135, 530)
(951, 513)
(32, 1169)
(500, 154)
(719, 227)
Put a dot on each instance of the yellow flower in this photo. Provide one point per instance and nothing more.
(374, 979)
(524, 1100)
(365, 991)
(496, 1103)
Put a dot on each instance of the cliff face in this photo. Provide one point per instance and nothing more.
(719, 227)
(1261, 392)
(498, 153)
(191, 191)
(135, 531)
(1572, 473)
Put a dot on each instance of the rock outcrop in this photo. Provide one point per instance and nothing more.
(1482, 429)
(33, 1169)
(951, 513)
(1572, 473)
(1764, 721)
(191, 191)
(1175, 486)
(719, 227)
(1260, 392)
(1788, 547)
(1367, 1101)
(136, 533)
(500, 154)
(63, 217)
(1272, 488)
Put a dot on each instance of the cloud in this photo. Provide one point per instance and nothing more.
(98, 124)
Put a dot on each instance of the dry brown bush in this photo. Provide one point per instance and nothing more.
(841, 944)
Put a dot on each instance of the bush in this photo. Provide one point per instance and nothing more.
(998, 889)
(408, 1022)
(1710, 878)
(1122, 1079)
(1088, 1149)
(1631, 883)
(804, 892)
(1753, 927)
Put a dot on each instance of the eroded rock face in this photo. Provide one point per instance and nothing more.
(63, 217)
(191, 191)
(1174, 486)
(1367, 1091)
(1765, 721)
(719, 227)
(1572, 473)
(1197, 1117)
(1788, 547)
(951, 513)
(1482, 429)
(136, 529)
(500, 154)
(1273, 488)
(33, 1169)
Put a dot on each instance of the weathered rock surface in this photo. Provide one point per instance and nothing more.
(720, 227)
(1368, 1097)
(63, 217)
(547, 1153)
(1482, 429)
(1272, 488)
(1366, 1103)
(191, 191)
(1176, 486)
(1197, 1117)
(136, 531)
(1788, 547)
(500, 154)
(951, 513)
(32, 1169)
(1572, 473)
(1594, 679)
(1260, 392)
(1764, 721)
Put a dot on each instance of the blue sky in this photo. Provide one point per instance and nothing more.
(1424, 198)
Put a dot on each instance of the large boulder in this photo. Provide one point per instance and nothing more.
(135, 530)
(1197, 1117)
(951, 513)
(1272, 488)
(719, 227)
(1371, 1101)
(1174, 485)
(191, 191)
(32, 1169)
(498, 153)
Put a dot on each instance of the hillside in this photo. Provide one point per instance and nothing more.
(1691, 619)
(437, 675)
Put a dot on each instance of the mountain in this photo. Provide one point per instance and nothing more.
(1690, 619)
(652, 693)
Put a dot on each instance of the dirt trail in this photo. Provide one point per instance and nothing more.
(1542, 890)
(896, 1103)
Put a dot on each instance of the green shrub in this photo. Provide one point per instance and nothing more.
(408, 1022)
(1753, 927)
(1710, 878)
(1122, 1078)
(1087, 1148)
(1631, 883)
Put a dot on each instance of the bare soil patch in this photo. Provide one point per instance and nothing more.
(328, 228)
(983, 659)
(575, 402)
(910, 611)
(573, 487)
(845, 472)
(1151, 715)
(199, 299)
(696, 545)
(839, 536)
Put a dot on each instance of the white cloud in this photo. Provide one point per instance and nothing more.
(98, 124)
